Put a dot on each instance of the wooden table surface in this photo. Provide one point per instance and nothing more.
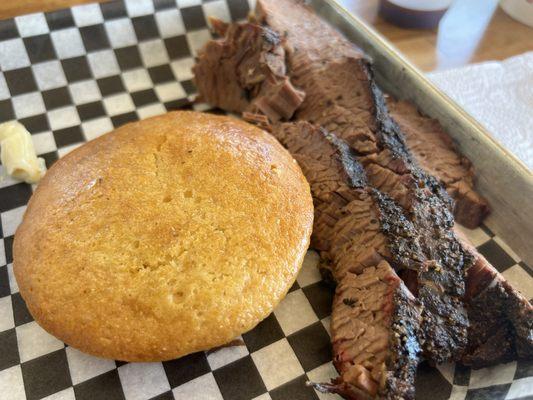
(471, 31)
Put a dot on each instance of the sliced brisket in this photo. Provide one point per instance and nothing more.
(346, 84)
(339, 82)
(374, 326)
(375, 207)
(437, 154)
(375, 319)
(341, 95)
(346, 224)
(334, 75)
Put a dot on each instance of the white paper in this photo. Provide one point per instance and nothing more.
(500, 96)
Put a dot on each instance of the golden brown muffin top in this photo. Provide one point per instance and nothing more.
(167, 236)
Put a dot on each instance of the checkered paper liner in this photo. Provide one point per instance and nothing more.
(74, 74)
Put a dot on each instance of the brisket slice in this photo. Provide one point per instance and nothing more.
(346, 225)
(375, 319)
(437, 154)
(328, 68)
(374, 326)
(245, 72)
(501, 319)
(341, 95)
(339, 99)
(304, 32)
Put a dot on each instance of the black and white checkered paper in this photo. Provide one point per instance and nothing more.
(74, 74)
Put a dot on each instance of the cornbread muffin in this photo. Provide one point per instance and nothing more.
(165, 237)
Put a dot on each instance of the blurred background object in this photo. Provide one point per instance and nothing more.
(470, 31)
(521, 10)
(461, 31)
(419, 14)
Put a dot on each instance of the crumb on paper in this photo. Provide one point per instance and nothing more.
(17, 153)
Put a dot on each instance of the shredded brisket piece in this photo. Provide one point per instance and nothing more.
(245, 72)
(437, 154)
(501, 319)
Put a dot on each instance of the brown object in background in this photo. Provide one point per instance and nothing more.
(410, 18)
(10, 9)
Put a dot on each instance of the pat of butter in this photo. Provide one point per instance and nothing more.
(18, 154)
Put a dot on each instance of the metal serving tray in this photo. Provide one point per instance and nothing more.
(73, 74)
(503, 179)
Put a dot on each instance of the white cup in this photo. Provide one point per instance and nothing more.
(521, 10)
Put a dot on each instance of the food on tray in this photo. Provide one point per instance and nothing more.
(17, 153)
(435, 152)
(379, 217)
(165, 237)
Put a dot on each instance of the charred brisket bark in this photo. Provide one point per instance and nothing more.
(441, 275)
(501, 319)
